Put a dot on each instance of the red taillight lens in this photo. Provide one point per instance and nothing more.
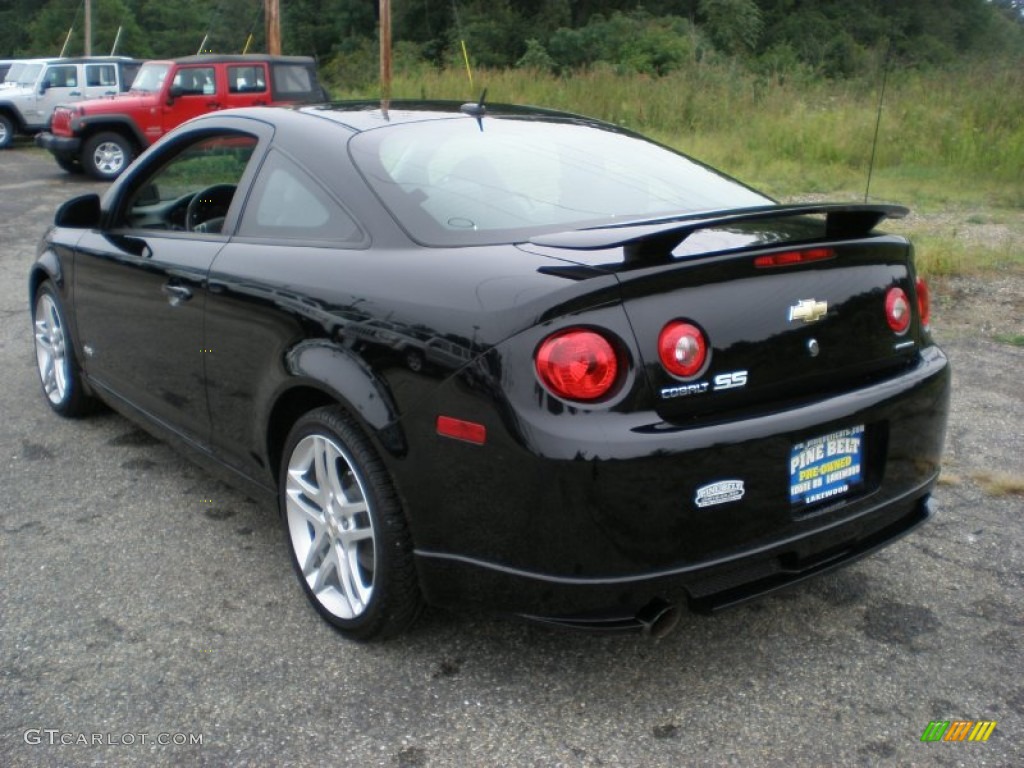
(682, 348)
(924, 302)
(787, 258)
(897, 309)
(578, 364)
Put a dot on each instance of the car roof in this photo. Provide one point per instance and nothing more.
(233, 58)
(367, 115)
(359, 116)
(87, 59)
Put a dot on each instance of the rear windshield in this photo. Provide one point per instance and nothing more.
(454, 182)
(292, 81)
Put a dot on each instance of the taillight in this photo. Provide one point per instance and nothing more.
(682, 348)
(578, 364)
(924, 302)
(897, 309)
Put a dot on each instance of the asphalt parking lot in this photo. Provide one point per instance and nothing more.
(149, 615)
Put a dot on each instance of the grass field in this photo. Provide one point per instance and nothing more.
(950, 145)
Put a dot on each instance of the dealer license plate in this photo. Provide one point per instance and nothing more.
(826, 467)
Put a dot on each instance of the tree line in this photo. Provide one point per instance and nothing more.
(831, 38)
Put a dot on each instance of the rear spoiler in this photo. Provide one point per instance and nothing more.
(646, 239)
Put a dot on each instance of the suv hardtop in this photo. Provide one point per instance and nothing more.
(102, 136)
(42, 84)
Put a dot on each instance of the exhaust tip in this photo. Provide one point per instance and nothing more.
(658, 618)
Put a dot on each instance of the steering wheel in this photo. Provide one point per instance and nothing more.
(208, 207)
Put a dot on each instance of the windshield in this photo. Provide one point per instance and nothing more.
(12, 73)
(454, 182)
(27, 75)
(150, 77)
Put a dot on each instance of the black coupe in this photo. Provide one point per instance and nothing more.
(503, 357)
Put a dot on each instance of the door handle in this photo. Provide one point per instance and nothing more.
(177, 294)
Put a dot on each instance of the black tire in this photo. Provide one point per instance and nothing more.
(6, 131)
(106, 155)
(59, 375)
(69, 164)
(338, 505)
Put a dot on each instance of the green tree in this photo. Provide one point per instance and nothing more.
(49, 28)
(734, 26)
(15, 39)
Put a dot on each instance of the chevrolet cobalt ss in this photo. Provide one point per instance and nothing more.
(503, 357)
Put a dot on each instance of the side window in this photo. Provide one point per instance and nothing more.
(100, 75)
(62, 77)
(195, 81)
(287, 203)
(246, 79)
(193, 191)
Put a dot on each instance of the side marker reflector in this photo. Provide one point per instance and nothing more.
(467, 431)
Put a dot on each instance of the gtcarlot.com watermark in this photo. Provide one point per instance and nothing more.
(55, 736)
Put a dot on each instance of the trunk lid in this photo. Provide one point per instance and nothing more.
(779, 331)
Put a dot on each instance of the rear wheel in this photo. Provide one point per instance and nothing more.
(106, 155)
(6, 131)
(55, 356)
(349, 541)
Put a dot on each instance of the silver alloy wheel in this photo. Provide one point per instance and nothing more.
(4, 138)
(330, 527)
(108, 157)
(51, 355)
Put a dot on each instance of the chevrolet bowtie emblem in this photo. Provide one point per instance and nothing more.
(808, 310)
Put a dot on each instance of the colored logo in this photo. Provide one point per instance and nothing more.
(958, 730)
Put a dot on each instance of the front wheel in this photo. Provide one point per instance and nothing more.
(55, 356)
(6, 131)
(347, 533)
(105, 155)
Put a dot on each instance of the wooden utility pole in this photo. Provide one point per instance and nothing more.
(272, 12)
(88, 27)
(385, 49)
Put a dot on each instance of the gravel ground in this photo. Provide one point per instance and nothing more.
(140, 597)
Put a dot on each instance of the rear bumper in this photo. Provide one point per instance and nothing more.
(577, 531)
(59, 145)
(613, 604)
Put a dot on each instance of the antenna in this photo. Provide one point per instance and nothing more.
(462, 42)
(878, 117)
(66, 41)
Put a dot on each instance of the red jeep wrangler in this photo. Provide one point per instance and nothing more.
(102, 136)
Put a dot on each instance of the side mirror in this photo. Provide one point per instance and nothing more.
(43, 86)
(81, 212)
(174, 92)
(148, 195)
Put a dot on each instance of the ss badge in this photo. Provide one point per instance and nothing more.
(730, 380)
